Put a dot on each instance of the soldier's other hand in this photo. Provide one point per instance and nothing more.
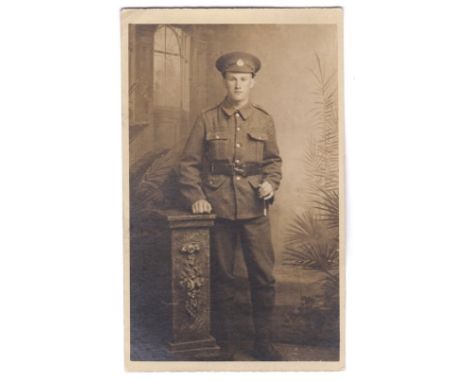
(201, 206)
(265, 191)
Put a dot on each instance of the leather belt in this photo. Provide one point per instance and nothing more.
(231, 169)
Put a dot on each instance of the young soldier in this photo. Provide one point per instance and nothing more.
(231, 166)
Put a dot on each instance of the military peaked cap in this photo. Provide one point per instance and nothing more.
(242, 62)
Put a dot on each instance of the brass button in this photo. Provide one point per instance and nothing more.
(237, 160)
(237, 144)
(237, 177)
(238, 129)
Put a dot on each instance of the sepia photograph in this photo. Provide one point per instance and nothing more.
(233, 189)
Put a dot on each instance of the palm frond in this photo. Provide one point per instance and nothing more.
(321, 255)
(322, 157)
(327, 202)
(311, 238)
(149, 179)
(308, 245)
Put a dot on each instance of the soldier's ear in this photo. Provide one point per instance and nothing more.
(223, 80)
(252, 82)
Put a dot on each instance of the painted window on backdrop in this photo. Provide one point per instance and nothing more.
(171, 68)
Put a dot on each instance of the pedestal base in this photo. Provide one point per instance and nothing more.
(206, 348)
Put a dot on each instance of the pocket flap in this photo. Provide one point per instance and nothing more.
(255, 181)
(215, 135)
(258, 135)
(214, 181)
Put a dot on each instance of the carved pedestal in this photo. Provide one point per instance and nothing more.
(186, 290)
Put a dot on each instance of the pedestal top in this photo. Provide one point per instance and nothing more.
(179, 215)
(174, 218)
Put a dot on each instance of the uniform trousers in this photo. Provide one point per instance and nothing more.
(255, 238)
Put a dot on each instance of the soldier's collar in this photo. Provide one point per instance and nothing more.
(229, 109)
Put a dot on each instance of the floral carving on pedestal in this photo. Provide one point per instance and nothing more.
(191, 279)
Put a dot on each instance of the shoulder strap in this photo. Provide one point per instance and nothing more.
(260, 108)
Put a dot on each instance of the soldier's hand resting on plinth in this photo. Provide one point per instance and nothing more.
(201, 206)
(265, 191)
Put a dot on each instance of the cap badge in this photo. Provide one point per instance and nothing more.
(240, 62)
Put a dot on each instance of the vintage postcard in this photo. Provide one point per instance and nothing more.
(233, 188)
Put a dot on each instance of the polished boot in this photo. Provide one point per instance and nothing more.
(262, 304)
(263, 347)
(265, 351)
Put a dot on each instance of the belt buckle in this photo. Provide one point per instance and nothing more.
(239, 170)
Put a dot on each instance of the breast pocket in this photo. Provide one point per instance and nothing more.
(257, 139)
(217, 145)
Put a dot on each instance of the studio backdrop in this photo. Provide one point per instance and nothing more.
(172, 78)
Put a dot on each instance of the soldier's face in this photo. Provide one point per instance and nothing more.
(238, 85)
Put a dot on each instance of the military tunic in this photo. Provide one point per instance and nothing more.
(239, 136)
